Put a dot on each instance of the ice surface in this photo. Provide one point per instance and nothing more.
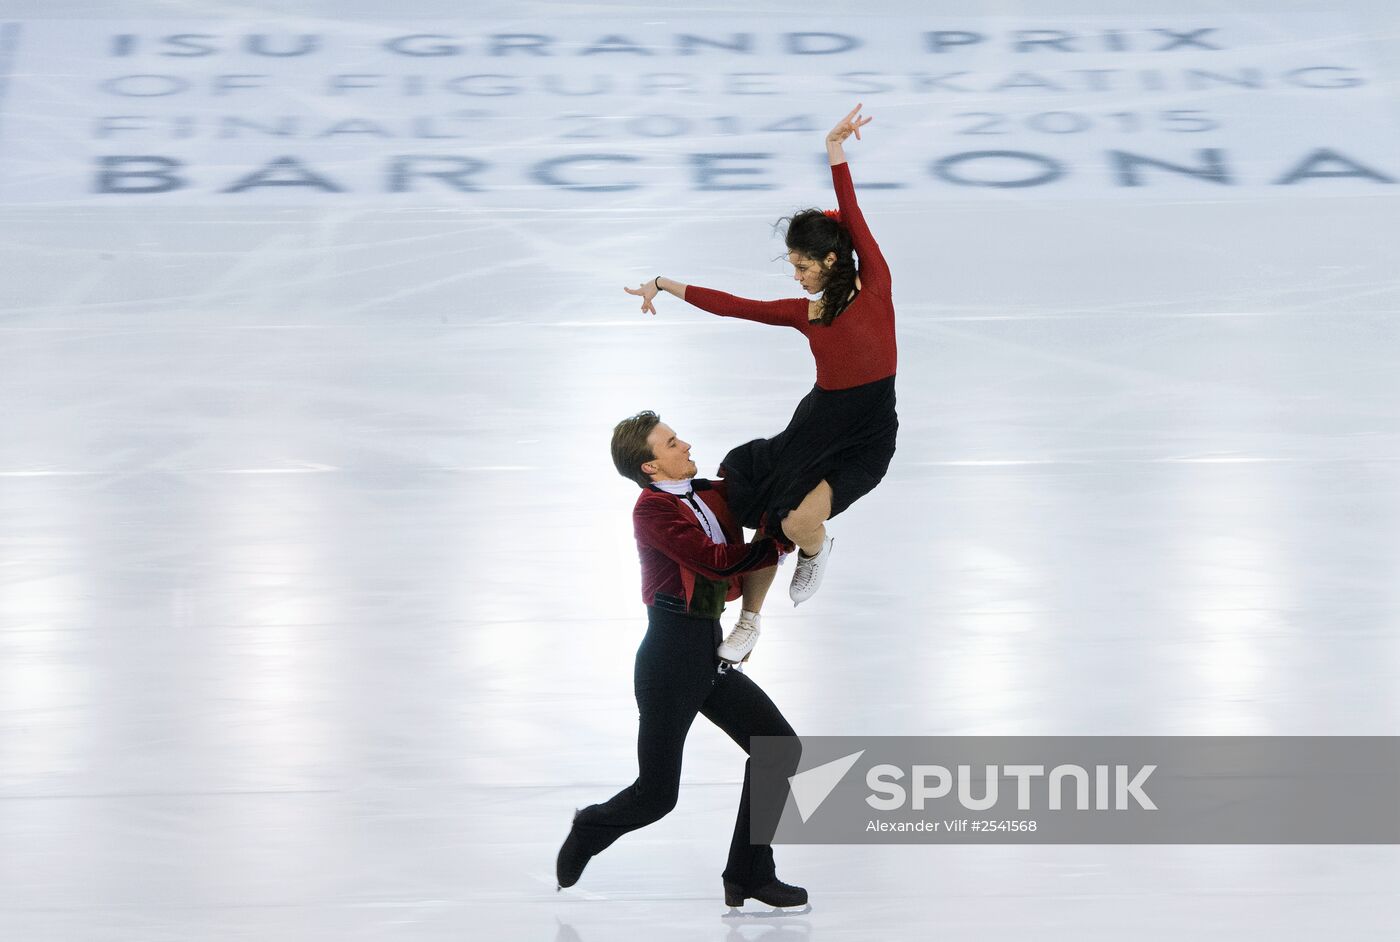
(319, 599)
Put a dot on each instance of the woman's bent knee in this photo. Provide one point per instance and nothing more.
(798, 524)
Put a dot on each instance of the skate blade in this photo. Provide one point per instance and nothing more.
(735, 913)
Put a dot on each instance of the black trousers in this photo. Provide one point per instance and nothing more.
(676, 677)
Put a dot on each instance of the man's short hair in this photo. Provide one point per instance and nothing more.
(629, 446)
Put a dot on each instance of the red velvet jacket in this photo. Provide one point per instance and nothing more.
(682, 571)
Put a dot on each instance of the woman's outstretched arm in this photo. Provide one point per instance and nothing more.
(874, 272)
(784, 313)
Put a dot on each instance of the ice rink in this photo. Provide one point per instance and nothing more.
(318, 594)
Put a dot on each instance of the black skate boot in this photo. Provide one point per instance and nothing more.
(568, 866)
(777, 893)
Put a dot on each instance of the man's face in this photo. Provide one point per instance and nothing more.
(672, 461)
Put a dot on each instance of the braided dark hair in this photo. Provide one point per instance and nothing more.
(814, 234)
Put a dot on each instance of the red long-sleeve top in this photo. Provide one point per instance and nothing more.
(859, 346)
(674, 549)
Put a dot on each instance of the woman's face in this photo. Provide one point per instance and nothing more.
(810, 273)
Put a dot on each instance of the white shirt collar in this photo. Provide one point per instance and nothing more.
(679, 488)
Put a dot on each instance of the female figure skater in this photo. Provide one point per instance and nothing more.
(842, 436)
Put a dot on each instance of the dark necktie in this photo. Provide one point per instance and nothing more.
(700, 514)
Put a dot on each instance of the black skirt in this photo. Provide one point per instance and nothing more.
(845, 437)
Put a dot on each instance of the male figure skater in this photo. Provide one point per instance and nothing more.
(693, 559)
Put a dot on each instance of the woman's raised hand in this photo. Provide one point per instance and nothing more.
(647, 291)
(851, 124)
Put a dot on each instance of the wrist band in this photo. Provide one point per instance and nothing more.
(658, 282)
